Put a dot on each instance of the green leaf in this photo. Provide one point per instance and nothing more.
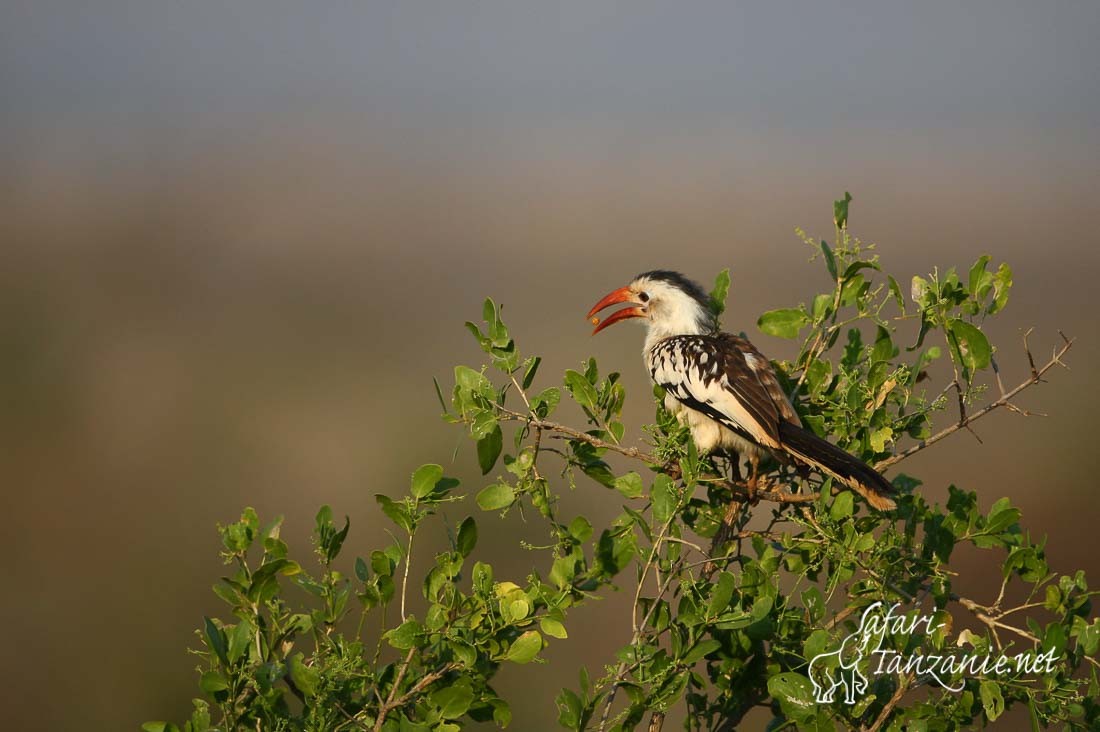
(830, 259)
(570, 709)
(580, 528)
(407, 635)
(525, 648)
(701, 649)
(406, 725)
(496, 497)
(783, 323)
(979, 279)
(467, 536)
(843, 506)
(553, 628)
(795, 695)
(663, 497)
(840, 211)
(857, 266)
(425, 478)
(895, 290)
(531, 367)
(362, 571)
(472, 381)
(721, 595)
(453, 701)
(544, 403)
(973, 346)
(240, 640)
(212, 682)
(482, 424)
(878, 438)
(488, 449)
(159, 727)
(439, 395)
(397, 512)
(719, 293)
(992, 701)
(303, 676)
(1002, 283)
(215, 639)
(883, 350)
(630, 485)
(583, 392)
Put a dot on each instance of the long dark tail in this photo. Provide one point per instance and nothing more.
(842, 466)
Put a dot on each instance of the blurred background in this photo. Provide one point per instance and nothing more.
(239, 240)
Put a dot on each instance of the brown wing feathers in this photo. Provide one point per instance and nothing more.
(752, 383)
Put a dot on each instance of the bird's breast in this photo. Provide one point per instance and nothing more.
(707, 433)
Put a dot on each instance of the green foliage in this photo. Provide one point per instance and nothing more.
(725, 617)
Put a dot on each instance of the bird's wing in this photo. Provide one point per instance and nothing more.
(727, 379)
(765, 375)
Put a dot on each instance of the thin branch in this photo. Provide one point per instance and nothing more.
(573, 434)
(1005, 400)
(768, 490)
(388, 706)
(624, 667)
(396, 702)
(405, 577)
(903, 686)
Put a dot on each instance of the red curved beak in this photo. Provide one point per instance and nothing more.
(622, 294)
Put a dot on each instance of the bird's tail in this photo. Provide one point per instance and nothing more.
(842, 466)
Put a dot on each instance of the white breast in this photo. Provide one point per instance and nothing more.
(708, 434)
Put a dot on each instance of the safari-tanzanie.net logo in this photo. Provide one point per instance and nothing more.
(843, 673)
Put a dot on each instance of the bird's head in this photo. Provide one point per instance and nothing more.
(667, 302)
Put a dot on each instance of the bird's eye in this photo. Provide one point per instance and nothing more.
(643, 296)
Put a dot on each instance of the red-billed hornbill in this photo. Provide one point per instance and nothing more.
(724, 389)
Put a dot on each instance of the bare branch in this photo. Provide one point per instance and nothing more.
(1003, 401)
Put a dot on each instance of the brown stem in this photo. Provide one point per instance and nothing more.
(767, 490)
(903, 686)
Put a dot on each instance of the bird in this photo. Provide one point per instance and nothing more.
(724, 389)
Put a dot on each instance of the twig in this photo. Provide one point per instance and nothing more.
(396, 702)
(549, 426)
(387, 706)
(768, 490)
(624, 667)
(1005, 400)
(405, 577)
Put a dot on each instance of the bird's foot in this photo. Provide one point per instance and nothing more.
(753, 482)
